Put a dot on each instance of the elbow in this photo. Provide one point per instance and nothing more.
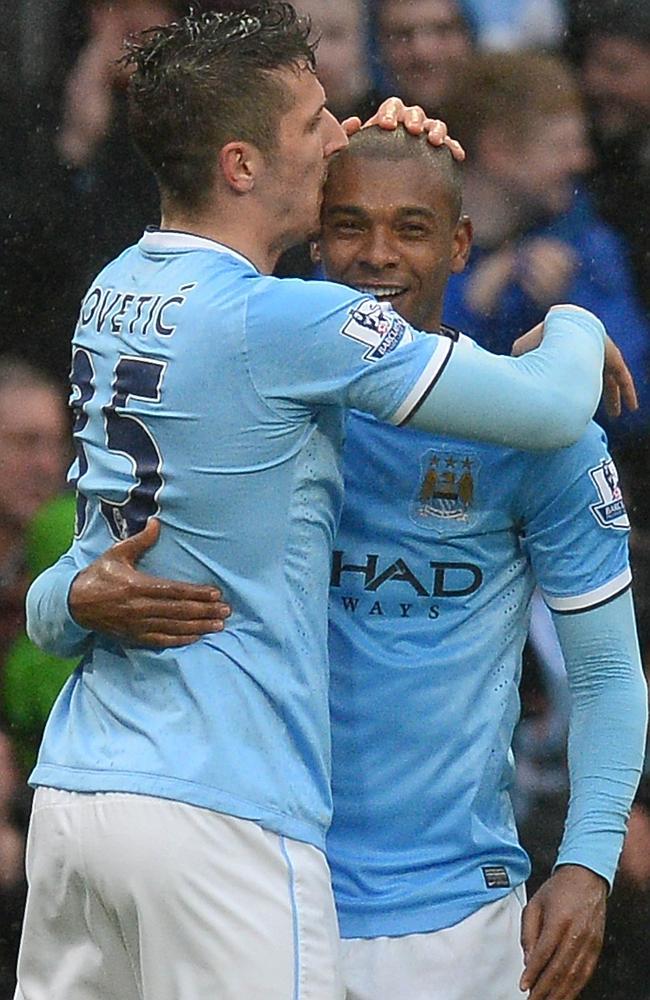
(567, 419)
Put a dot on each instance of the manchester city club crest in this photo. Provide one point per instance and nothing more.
(446, 489)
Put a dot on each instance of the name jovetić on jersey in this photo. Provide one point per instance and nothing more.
(211, 396)
(439, 547)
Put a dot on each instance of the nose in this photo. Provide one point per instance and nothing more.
(334, 138)
(378, 251)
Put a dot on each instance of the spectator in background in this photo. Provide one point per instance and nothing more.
(115, 196)
(537, 237)
(69, 201)
(424, 44)
(613, 50)
(342, 28)
(33, 431)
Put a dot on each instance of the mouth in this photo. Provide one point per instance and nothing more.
(383, 293)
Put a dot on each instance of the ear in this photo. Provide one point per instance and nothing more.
(314, 252)
(462, 244)
(240, 164)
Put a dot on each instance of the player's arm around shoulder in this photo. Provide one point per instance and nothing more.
(541, 400)
(575, 530)
(315, 343)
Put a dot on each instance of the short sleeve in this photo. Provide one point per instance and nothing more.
(317, 343)
(575, 525)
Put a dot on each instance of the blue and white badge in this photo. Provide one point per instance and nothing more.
(377, 325)
(610, 510)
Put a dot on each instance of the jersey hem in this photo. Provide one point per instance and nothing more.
(51, 776)
(424, 921)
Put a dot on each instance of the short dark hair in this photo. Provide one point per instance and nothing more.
(382, 144)
(206, 80)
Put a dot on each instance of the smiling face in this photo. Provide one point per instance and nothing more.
(390, 228)
(424, 43)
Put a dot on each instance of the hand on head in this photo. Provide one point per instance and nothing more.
(393, 112)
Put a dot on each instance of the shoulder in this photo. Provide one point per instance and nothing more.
(299, 299)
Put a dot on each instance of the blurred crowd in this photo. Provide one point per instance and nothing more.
(551, 99)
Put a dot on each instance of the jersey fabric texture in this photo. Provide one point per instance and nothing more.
(440, 544)
(212, 396)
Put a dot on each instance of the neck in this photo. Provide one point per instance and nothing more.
(243, 233)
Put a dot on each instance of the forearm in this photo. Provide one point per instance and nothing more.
(542, 400)
(606, 731)
(49, 622)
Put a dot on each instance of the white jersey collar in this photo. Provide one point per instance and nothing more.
(166, 240)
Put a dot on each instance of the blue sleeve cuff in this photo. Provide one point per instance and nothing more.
(50, 624)
(607, 730)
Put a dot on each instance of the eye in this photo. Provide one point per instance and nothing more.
(413, 230)
(315, 123)
(347, 227)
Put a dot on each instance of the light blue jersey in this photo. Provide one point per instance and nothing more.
(440, 544)
(211, 396)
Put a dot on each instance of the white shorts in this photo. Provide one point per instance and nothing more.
(481, 957)
(139, 898)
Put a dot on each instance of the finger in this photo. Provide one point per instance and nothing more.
(531, 928)
(539, 956)
(142, 609)
(133, 548)
(351, 125)
(142, 585)
(413, 119)
(577, 977)
(568, 951)
(621, 373)
(174, 629)
(388, 112)
(436, 131)
(457, 150)
(612, 396)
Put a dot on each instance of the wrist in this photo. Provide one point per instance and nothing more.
(580, 873)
